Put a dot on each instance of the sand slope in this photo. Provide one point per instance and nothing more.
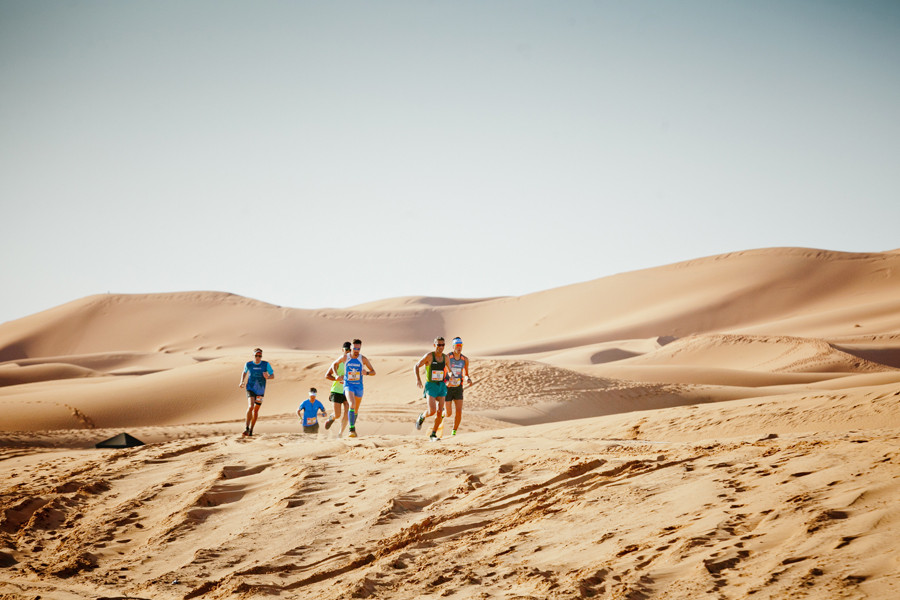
(721, 428)
(562, 512)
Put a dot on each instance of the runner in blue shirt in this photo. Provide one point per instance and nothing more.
(255, 374)
(309, 412)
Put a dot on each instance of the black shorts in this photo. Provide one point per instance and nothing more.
(311, 428)
(337, 397)
(454, 393)
(256, 399)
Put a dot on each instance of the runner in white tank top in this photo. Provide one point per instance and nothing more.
(459, 373)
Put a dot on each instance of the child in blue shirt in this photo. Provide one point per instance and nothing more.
(309, 412)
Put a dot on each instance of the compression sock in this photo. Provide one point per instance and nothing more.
(352, 419)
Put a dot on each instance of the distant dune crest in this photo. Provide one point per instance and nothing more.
(789, 291)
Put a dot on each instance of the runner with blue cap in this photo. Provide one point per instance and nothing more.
(459, 370)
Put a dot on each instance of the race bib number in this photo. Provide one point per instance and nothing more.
(354, 375)
(437, 375)
(455, 377)
(310, 421)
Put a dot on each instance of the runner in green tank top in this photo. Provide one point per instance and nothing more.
(436, 369)
(337, 393)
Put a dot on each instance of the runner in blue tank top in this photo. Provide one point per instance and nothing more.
(353, 375)
(355, 367)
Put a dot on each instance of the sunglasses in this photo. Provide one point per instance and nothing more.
(439, 345)
(258, 355)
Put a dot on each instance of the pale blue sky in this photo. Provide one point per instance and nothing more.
(330, 153)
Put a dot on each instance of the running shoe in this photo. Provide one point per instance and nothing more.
(352, 433)
(419, 422)
(453, 432)
(433, 437)
(329, 422)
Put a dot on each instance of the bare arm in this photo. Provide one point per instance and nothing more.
(331, 374)
(419, 366)
(371, 369)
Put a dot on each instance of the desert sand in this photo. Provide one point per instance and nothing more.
(727, 427)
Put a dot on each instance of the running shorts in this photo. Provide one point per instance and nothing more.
(357, 389)
(435, 389)
(455, 393)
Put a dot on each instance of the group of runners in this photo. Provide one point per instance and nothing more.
(445, 375)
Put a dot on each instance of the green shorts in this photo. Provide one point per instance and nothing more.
(435, 389)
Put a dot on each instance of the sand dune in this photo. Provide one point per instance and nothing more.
(722, 428)
(774, 292)
(881, 353)
(758, 353)
(12, 374)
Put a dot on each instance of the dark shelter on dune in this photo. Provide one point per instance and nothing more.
(123, 440)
